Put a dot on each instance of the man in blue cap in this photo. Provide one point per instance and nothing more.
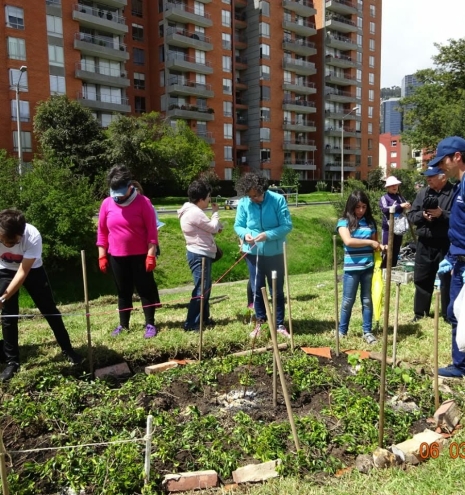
(450, 157)
(430, 214)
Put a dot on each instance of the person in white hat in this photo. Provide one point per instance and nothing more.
(392, 197)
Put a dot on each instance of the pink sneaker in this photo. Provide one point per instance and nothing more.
(256, 332)
(282, 330)
(250, 306)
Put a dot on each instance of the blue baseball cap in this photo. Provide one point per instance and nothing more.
(430, 171)
(448, 146)
(121, 191)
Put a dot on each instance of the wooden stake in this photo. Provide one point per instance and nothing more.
(396, 323)
(288, 295)
(148, 449)
(382, 385)
(3, 473)
(90, 354)
(274, 328)
(280, 368)
(437, 296)
(336, 303)
(202, 281)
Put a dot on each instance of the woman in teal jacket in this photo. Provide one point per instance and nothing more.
(262, 222)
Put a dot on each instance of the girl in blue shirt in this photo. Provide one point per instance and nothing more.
(358, 232)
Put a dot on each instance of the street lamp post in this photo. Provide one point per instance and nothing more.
(342, 148)
(22, 70)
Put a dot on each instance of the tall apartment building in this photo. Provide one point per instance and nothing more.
(267, 83)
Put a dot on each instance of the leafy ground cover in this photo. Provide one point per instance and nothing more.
(48, 404)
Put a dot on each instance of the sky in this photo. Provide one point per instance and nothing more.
(409, 30)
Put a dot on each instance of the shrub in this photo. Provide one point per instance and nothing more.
(321, 186)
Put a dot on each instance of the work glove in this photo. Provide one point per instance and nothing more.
(445, 267)
(150, 263)
(103, 264)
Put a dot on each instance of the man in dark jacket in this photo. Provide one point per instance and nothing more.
(430, 214)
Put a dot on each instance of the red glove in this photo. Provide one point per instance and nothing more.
(150, 263)
(103, 264)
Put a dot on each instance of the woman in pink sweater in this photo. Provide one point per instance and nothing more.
(127, 240)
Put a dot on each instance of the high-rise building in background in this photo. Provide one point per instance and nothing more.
(391, 117)
(409, 83)
(267, 83)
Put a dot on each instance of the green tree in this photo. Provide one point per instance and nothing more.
(437, 108)
(69, 132)
(289, 177)
(9, 177)
(375, 177)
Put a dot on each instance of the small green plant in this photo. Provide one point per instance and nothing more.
(321, 186)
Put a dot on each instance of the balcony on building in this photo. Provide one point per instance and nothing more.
(339, 95)
(300, 47)
(342, 61)
(180, 12)
(240, 41)
(304, 8)
(100, 18)
(205, 1)
(185, 87)
(241, 102)
(240, 20)
(101, 46)
(336, 131)
(242, 122)
(119, 4)
(340, 42)
(349, 166)
(301, 67)
(342, 114)
(303, 27)
(300, 164)
(242, 144)
(206, 136)
(240, 3)
(240, 83)
(299, 144)
(95, 74)
(240, 62)
(299, 125)
(190, 112)
(105, 103)
(343, 7)
(177, 36)
(185, 63)
(300, 106)
(342, 79)
(305, 88)
(337, 22)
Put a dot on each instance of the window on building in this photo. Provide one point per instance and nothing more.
(370, 144)
(226, 37)
(371, 61)
(24, 114)
(227, 108)
(227, 131)
(136, 8)
(227, 86)
(393, 143)
(266, 172)
(265, 93)
(265, 155)
(264, 29)
(372, 45)
(359, 22)
(137, 32)
(161, 30)
(228, 153)
(265, 114)
(370, 112)
(371, 95)
(371, 78)
(16, 48)
(228, 173)
(372, 11)
(139, 104)
(161, 78)
(138, 56)
(226, 63)
(358, 92)
(393, 154)
(56, 56)
(265, 72)
(370, 128)
(372, 27)
(359, 40)
(14, 17)
(227, 1)
(139, 80)
(14, 77)
(57, 85)
(393, 165)
(26, 141)
(264, 50)
(161, 53)
(265, 134)
(359, 75)
(287, 77)
(226, 18)
(54, 25)
(200, 57)
(369, 160)
(199, 9)
(265, 8)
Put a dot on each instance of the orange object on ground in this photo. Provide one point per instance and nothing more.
(318, 351)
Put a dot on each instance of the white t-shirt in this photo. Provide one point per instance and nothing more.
(29, 247)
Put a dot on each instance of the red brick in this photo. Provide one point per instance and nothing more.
(196, 480)
(158, 368)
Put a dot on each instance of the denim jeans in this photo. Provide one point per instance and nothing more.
(458, 358)
(351, 281)
(193, 312)
(261, 273)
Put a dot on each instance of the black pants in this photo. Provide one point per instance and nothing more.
(396, 245)
(129, 272)
(427, 258)
(38, 286)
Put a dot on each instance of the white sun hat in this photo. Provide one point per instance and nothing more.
(392, 181)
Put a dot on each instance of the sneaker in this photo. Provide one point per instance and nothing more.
(250, 306)
(255, 333)
(342, 335)
(209, 323)
(282, 330)
(117, 330)
(9, 371)
(370, 338)
(451, 371)
(150, 331)
(73, 357)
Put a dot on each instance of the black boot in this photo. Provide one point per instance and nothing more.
(9, 371)
(73, 357)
